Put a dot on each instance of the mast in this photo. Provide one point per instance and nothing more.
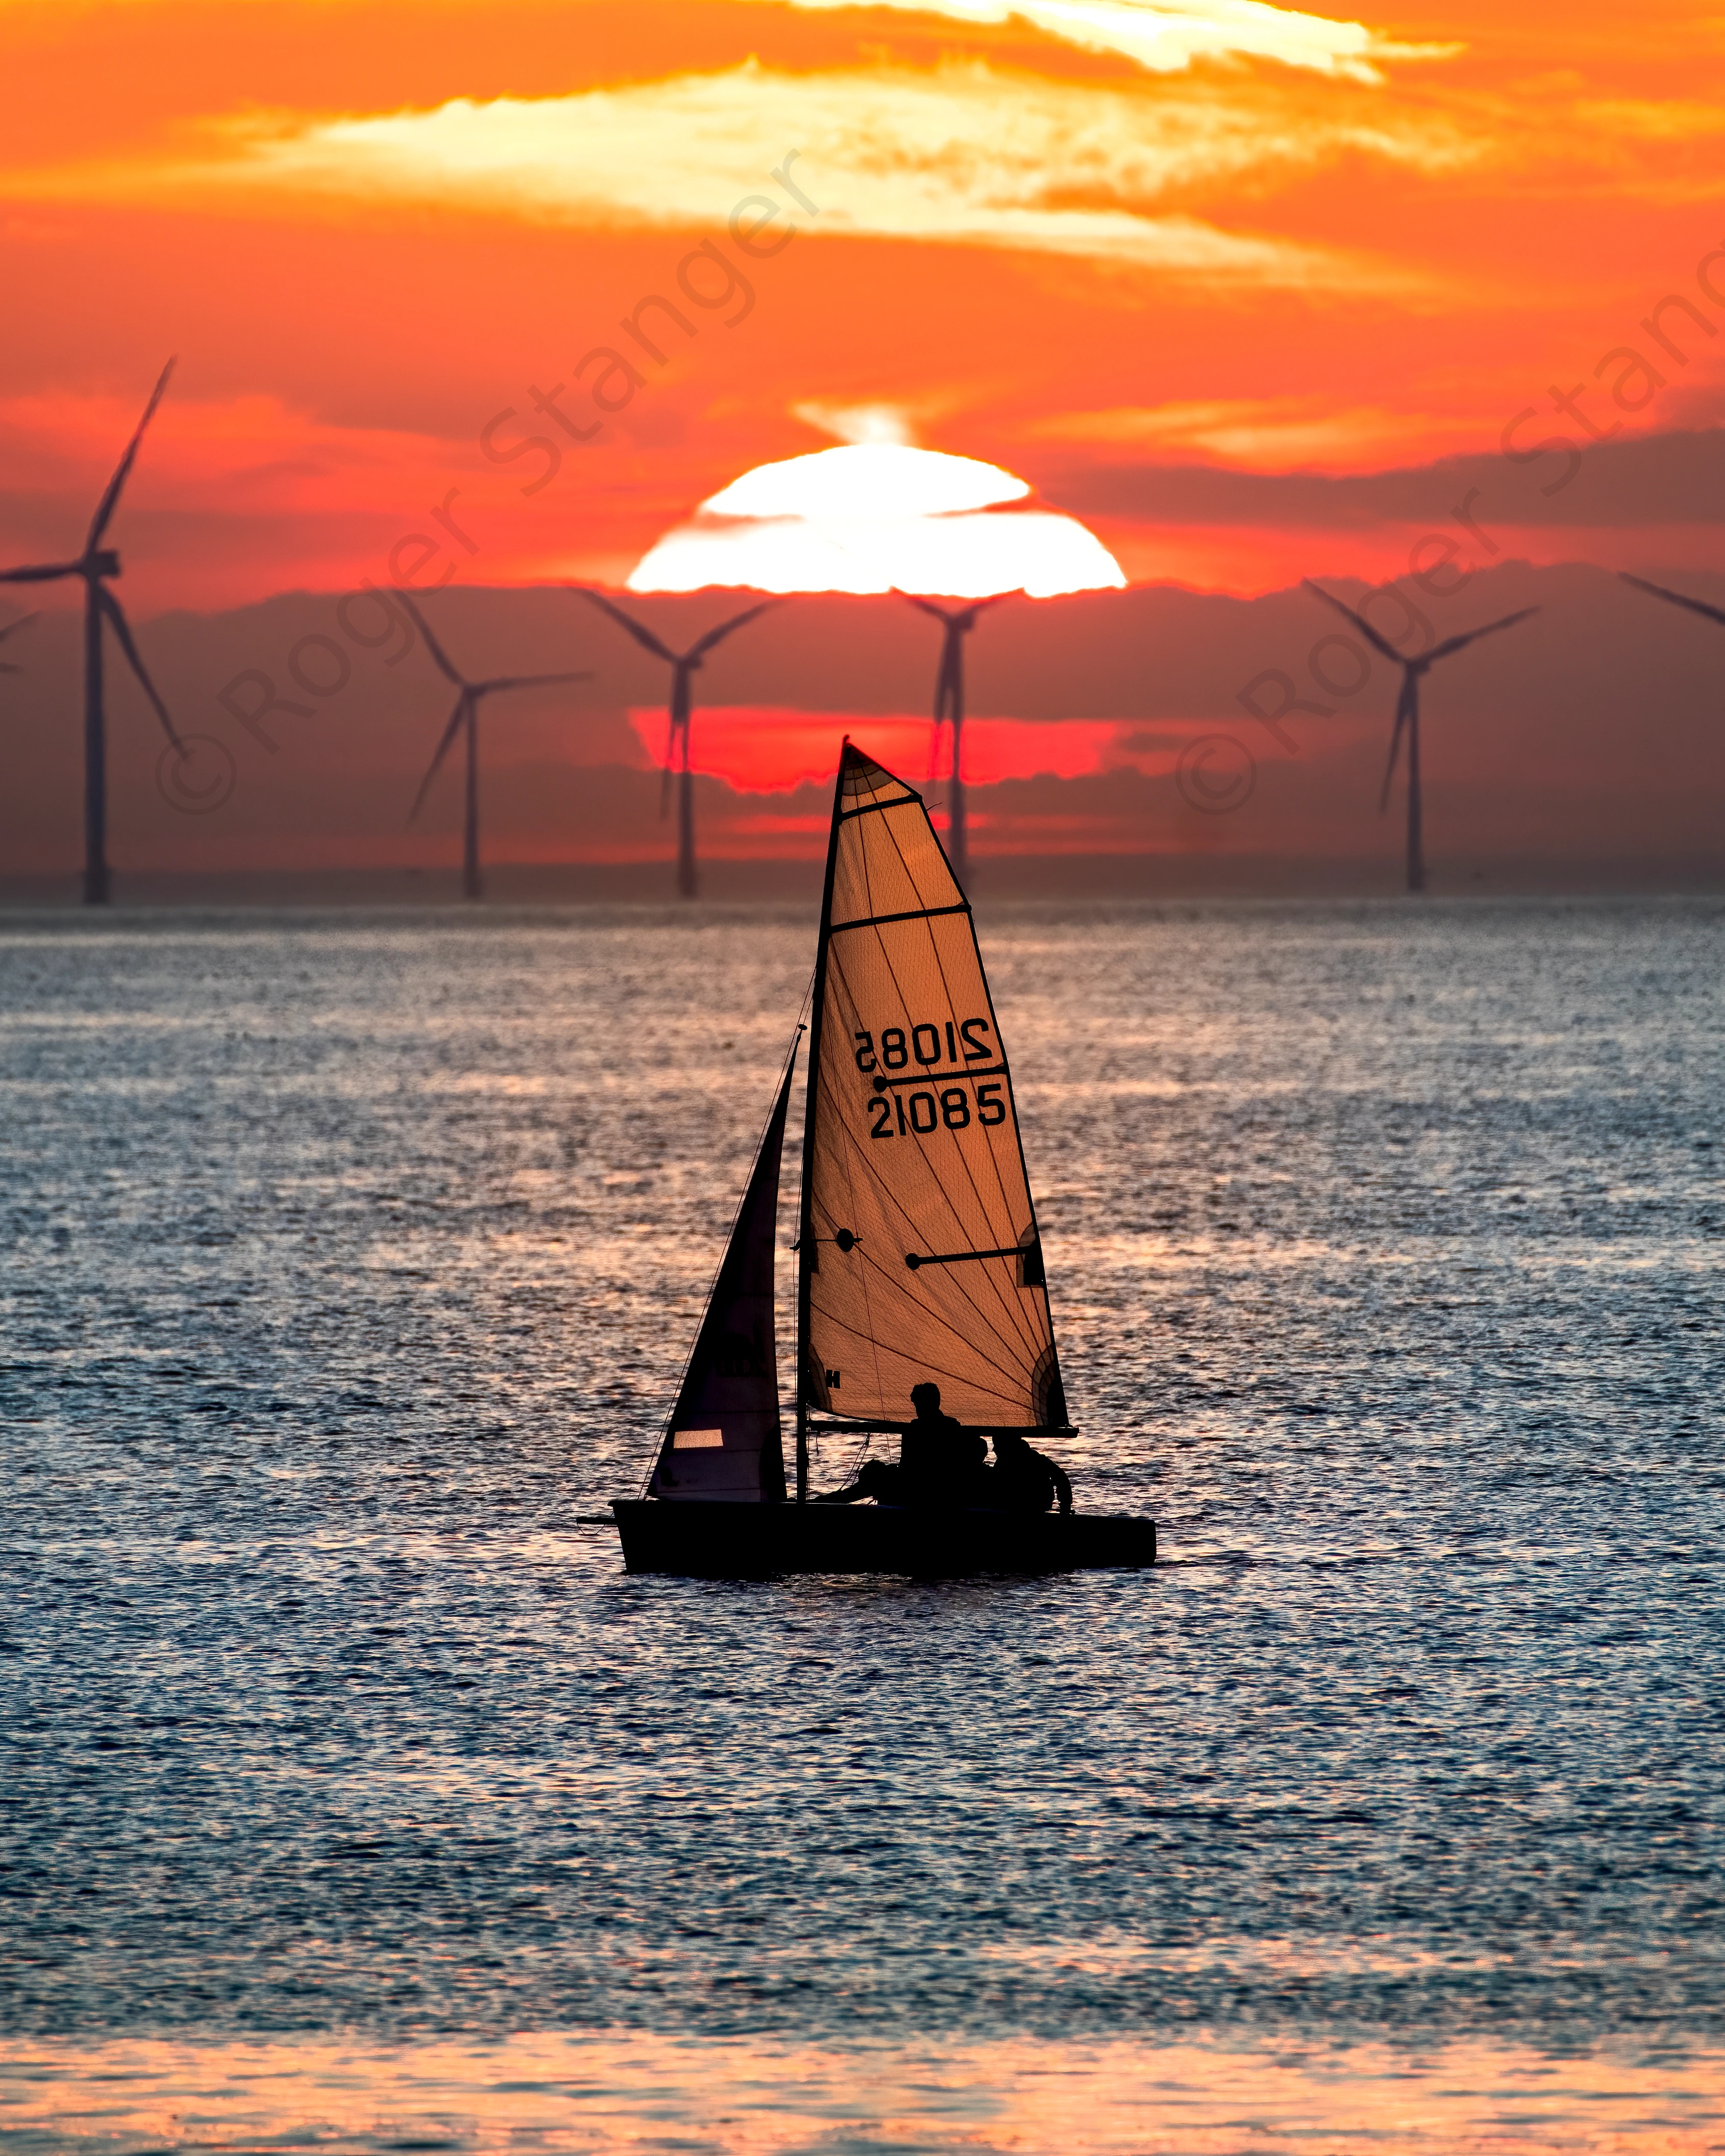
(806, 1248)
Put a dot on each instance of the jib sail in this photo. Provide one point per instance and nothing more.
(723, 1437)
(919, 1254)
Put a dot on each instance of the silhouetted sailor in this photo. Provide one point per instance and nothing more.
(1023, 1479)
(938, 1459)
(939, 1462)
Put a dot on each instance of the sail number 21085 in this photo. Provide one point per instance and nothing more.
(897, 1113)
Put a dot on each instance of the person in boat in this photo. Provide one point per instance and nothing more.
(1024, 1480)
(937, 1455)
(939, 1462)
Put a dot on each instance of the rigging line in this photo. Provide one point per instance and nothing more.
(1015, 1312)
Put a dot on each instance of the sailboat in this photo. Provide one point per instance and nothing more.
(918, 1257)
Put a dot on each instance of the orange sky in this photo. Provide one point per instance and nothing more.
(368, 230)
(1204, 275)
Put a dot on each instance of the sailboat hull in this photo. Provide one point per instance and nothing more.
(720, 1541)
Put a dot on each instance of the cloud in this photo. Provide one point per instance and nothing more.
(959, 155)
(1649, 481)
(1267, 433)
(1167, 39)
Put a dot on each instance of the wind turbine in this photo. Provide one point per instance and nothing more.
(1659, 591)
(1407, 711)
(464, 719)
(12, 629)
(949, 704)
(97, 565)
(683, 664)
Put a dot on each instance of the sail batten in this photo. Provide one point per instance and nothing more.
(911, 1150)
(883, 920)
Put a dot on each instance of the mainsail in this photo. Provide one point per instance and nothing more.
(722, 1440)
(919, 1253)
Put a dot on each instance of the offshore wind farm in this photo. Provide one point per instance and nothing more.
(861, 1274)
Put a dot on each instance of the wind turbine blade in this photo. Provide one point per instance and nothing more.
(105, 506)
(117, 621)
(1404, 713)
(718, 635)
(928, 606)
(443, 747)
(46, 572)
(1677, 599)
(440, 658)
(529, 681)
(644, 637)
(12, 628)
(1378, 642)
(1473, 635)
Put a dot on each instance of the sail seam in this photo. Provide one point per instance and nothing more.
(874, 807)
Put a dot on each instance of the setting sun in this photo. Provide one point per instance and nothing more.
(879, 516)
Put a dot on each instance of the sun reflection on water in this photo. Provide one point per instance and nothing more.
(624, 2090)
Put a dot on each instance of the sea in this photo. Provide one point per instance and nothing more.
(353, 1798)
